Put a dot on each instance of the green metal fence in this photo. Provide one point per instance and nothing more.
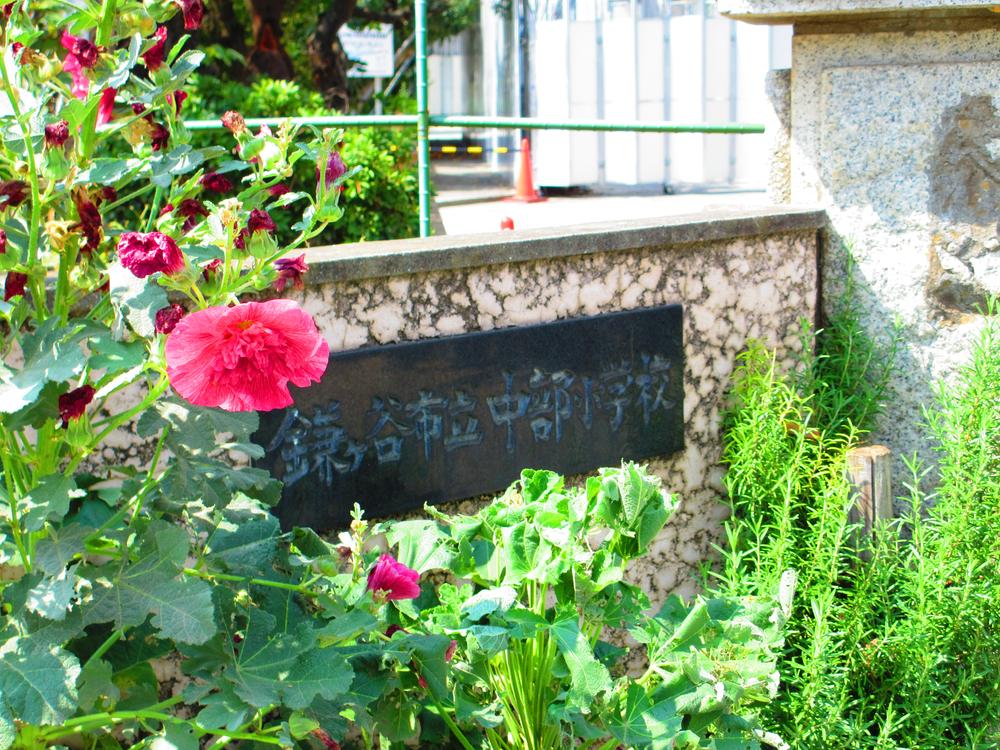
(423, 121)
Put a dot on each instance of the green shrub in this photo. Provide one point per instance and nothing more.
(901, 650)
(381, 197)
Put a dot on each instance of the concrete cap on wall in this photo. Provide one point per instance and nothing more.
(805, 11)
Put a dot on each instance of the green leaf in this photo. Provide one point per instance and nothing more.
(588, 677)
(396, 717)
(301, 725)
(39, 685)
(642, 722)
(324, 673)
(136, 300)
(48, 501)
(58, 550)
(246, 548)
(489, 639)
(223, 710)
(8, 732)
(54, 595)
(115, 356)
(489, 601)
(51, 354)
(175, 736)
(422, 545)
(126, 593)
(107, 171)
(96, 687)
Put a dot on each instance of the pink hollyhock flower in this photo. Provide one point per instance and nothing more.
(57, 133)
(153, 57)
(290, 271)
(193, 11)
(14, 285)
(106, 106)
(242, 358)
(73, 404)
(260, 221)
(216, 182)
(168, 317)
(394, 578)
(146, 254)
(81, 55)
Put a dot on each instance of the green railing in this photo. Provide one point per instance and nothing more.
(424, 121)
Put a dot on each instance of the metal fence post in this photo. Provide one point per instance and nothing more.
(423, 120)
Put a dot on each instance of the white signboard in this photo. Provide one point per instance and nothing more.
(372, 50)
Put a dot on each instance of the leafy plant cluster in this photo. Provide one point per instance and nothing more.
(901, 648)
(541, 581)
(382, 192)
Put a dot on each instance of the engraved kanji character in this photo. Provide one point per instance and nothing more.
(459, 409)
(388, 447)
(652, 382)
(508, 408)
(615, 382)
(427, 419)
(550, 403)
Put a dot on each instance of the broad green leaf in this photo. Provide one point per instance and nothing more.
(39, 685)
(490, 639)
(115, 356)
(96, 687)
(246, 548)
(55, 552)
(396, 717)
(489, 601)
(322, 673)
(126, 593)
(136, 300)
(301, 725)
(48, 501)
(8, 732)
(51, 354)
(588, 677)
(422, 545)
(642, 722)
(53, 596)
(175, 736)
(350, 624)
(223, 709)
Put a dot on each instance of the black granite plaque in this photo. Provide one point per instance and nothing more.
(394, 427)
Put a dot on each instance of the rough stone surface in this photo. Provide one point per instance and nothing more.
(802, 9)
(897, 135)
(778, 86)
(756, 286)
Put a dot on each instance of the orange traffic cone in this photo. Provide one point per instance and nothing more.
(525, 188)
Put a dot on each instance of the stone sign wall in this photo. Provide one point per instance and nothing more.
(894, 129)
(736, 275)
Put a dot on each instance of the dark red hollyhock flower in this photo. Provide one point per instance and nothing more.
(89, 224)
(449, 653)
(146, 254)
(108, 194)
(276, 191)
(168, 317)
(138, 108)
(106, 107)
(159, 137)
(328, 742)
(335, 168)
(260, 221)
(16, 47)
(83, 50)
(14, 285)
(3, 242)
(191, 211)
(166, 209)
(177, 98)
(216, 183)
(241, 239)
(12, 193)
(234, 122)
(193, 11)
(73, 404)
(290, 271)
(7, 10)
(153, 57)
(208, 272)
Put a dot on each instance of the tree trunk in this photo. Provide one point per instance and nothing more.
(221, 26)
(329, 62)
(268, 56)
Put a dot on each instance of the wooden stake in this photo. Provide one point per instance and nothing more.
(869, 468)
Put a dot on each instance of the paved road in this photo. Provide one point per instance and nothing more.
(468, 201)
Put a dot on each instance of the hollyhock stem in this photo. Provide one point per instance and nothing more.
(37, 284)
(297, 588)
(15, 490)
(131, 196)
(140, 496)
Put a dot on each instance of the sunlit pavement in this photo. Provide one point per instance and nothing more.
(485, 216)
